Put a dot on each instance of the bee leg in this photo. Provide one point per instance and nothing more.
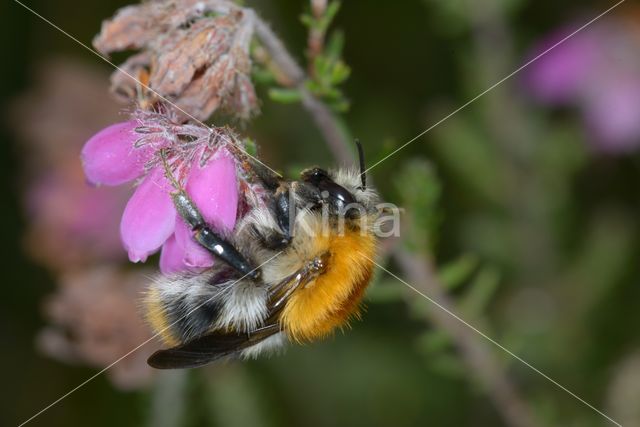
(268, 177)
(277, 238)
(284, 212)
(209, 239)
(202, 233)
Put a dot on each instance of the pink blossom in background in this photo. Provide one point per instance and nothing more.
(72, 228)
(598, 72)
(123, 152)
(70, 225)
(94, 319)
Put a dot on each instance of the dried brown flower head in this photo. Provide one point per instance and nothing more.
(195, 53)
(95, 321)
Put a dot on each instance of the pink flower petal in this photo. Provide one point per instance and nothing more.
(193, 254)
(171, 257)
(109, 157)
(214, 189)
(560, 73)
(612, 114)
(149, 218)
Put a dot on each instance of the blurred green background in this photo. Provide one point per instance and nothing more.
(548, 224)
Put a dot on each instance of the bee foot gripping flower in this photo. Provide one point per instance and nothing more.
(199, 161)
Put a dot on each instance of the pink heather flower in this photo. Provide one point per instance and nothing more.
(72, 225)
(198, 159)
(597, 71)
(110, 156)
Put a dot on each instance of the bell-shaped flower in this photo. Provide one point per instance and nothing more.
(150, 221)
(111, 157)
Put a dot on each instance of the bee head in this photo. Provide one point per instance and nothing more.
(336, 195)
(343, 190)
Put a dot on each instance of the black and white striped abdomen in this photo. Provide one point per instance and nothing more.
(183, 307)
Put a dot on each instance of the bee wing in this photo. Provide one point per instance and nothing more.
(208, 348)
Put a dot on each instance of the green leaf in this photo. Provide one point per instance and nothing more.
(330, 13)
(457, 272)
(481, 291)
(448, 365)
(323, 22)
(605, 255)
(420, 190)
(331, 93)
(322, 67)
(419, 307)
(263, 76)
(385, 292)
(433, 341)
(468, 153)
(250, 146)
(339, 73)
(307, 20)
(335, 44)
(284, 95)
(313, 86)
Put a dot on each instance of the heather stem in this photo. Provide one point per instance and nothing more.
(475, 353)
(324, 119)
(315, 40)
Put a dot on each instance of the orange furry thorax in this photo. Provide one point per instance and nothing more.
(334, 296)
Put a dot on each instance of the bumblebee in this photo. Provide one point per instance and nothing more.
(293, 270)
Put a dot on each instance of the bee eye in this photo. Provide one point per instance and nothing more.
(316, 175)
(336, 193)
(329, 190)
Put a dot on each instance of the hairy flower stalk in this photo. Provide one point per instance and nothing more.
(192, 53)
(163, 154)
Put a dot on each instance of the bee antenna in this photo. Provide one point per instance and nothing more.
(363, 169)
